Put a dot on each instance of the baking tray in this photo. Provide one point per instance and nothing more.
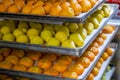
(101, 50)
(50, 19)
(104, 66)
(61, 50)
(110, 73)
(46, 77)
(76, 51)
(114, 22)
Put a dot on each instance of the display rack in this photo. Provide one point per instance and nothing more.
(81, 77)
(68, 51)
(110, 73)
(104, 66)
(50, 19)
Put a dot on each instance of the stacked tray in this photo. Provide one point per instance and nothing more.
(110, 73)
(81, 77)
(103, 67)
(60, 50)
(67, 51)
(51, 19)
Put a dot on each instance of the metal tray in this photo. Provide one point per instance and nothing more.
(101, 50)
(50, 19)
(104, 66)
(110, 73)
(46, 77)
(114, 22)
(76, 51)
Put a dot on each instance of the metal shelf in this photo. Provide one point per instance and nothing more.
(110, 73)
(50, 19)
(68, 51)
(46, 77)
(103, 67)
